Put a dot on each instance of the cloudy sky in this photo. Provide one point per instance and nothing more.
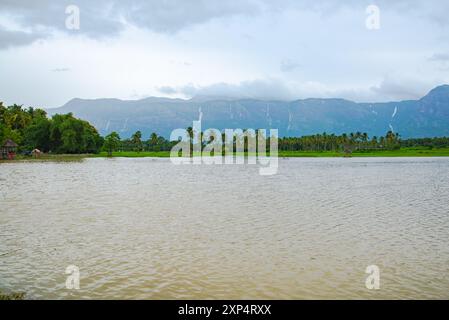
(268, 49)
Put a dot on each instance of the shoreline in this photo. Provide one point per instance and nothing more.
(405, 152)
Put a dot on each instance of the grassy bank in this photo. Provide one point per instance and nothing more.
(50, 157)
(404, 152)
(135, 154)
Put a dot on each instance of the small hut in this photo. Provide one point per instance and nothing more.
(36, 153)
(8, 150)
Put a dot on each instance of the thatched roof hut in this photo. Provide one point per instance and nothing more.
(10, 144)
(8, 150)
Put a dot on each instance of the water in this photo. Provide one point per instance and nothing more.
(146, 229)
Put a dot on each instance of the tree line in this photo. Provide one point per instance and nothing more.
(345, 142)
(352, 142)
(358, 142)
(113, 142)
(31, 128)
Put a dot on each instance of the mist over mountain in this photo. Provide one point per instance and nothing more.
(426, 117)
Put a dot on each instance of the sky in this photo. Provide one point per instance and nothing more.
(264, 49)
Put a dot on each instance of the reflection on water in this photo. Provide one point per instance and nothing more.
(144, 228)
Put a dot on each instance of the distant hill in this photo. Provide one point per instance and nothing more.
(427, 117)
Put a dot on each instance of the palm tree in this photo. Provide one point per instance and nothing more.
(137, 140)
(190, 133)
(152, 142)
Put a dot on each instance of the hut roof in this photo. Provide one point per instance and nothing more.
(10, 144)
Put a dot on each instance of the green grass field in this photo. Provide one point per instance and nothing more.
(135, 154)
(404, 152)
(51, 157)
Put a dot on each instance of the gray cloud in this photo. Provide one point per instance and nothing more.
(219, 43)
(442, 57)
(108, 17)
(400, 89)
(12, 38)
(172, 15)
(288, 65)
(98, 19)
(102, 18)
(167, 90)
(389, 89)
(257, 89)
(60, 70)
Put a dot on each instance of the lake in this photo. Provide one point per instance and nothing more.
(147, 229)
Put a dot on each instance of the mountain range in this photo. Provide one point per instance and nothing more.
(426, 117)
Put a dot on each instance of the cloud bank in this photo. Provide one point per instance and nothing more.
(283, 50)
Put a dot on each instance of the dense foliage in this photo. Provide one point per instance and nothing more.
(330, 142)
(31, 128)
(357, 142)
(111, 143)
(438, 142)
(136, 143)
(353, 142)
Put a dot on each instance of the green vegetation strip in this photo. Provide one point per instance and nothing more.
(26, 132)
(404, 152)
